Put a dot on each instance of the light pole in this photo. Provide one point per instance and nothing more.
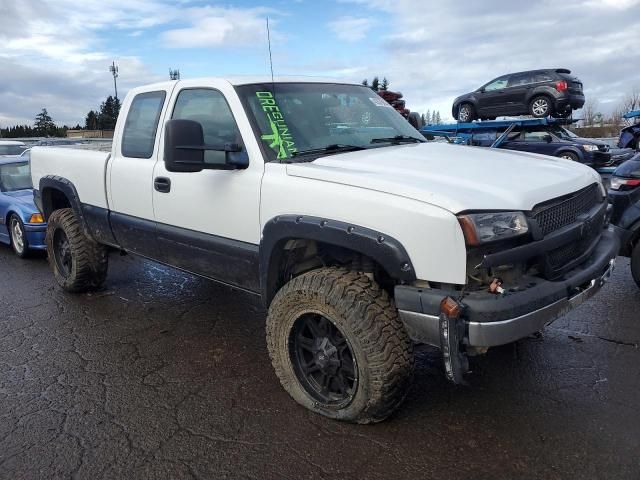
(113, 68)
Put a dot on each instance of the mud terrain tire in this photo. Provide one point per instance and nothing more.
(362, 312)
(79, 263)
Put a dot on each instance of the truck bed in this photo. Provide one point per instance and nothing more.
(86, 169)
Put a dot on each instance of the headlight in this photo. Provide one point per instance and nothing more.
(480, 228)
(589, 148)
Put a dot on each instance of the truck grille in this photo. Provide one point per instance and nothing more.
(561, 256)
(563, 211)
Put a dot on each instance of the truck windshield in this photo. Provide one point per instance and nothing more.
(15, 176)
(300, 121)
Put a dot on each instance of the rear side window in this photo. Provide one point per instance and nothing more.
(543, 77)
(210, 109)
(140, 128)
(519, 79)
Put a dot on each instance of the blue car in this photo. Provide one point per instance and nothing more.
(21, 224)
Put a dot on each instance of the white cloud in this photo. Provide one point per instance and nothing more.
(218, 27)
(435, 54)
(351, 29)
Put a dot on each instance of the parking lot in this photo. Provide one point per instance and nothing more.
(165, 375)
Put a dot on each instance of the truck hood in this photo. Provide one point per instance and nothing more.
(454, 177)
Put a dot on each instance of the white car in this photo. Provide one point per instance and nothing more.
(11, 148)
(360, 237)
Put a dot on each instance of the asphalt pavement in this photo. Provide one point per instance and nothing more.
(166, 375)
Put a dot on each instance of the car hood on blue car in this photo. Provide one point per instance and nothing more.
(24, 197)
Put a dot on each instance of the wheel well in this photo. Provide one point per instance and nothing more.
(53, 199)
(292, 257)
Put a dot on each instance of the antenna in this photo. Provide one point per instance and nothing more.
(270, 59)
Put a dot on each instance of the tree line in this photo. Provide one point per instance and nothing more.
(104, 118)
(592, 117)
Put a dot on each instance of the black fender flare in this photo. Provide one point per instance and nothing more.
(388, 252)
(43, 198)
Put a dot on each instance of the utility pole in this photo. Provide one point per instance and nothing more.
(174, 74)
(113, 68)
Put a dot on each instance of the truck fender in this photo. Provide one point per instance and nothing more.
(56, 192)
(51, 194)
(380, 247)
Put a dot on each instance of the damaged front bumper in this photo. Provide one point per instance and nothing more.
(490, 320)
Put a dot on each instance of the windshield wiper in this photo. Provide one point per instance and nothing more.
(397, 139)
(333, 148)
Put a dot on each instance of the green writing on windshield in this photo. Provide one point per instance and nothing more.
(280, 138)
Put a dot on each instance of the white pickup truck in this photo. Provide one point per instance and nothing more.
(361, 238)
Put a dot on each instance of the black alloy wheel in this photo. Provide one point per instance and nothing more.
(323, 360)
(62, 253)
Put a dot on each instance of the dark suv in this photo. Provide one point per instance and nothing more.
(540, 93)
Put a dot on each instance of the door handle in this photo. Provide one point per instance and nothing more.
(162, 184)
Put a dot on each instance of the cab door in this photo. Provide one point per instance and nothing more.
(130, 171)
(208, 221)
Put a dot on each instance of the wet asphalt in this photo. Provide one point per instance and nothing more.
(165, 375)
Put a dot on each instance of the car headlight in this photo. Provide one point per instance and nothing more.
(481, 228)
(589, 148)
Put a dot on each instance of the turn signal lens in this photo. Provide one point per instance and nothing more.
(36, 218)
(450, 307)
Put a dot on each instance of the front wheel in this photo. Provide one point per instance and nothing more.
(635, 264)
(338, 347)
(78, 262)
(569, 156)
(18, 237)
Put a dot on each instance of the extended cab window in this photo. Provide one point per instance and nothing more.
(140, 128)
(211, 110)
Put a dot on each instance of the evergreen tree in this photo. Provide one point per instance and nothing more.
(423, 119)
(437, 120)
(365, 82)
(375, 84)
(385, 84)
(44, 125)
(428, 118)
(91, 121)
(108, 115)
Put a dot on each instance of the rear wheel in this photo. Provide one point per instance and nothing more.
(18, 236)
(78, 262)
(540, 106)
(466, 113)
(338, 347)
(569, 156)
(635, 264)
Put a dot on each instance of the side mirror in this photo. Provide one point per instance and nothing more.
(548, 138)
(184, 149)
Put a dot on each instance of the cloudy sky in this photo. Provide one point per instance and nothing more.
(56, 53)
